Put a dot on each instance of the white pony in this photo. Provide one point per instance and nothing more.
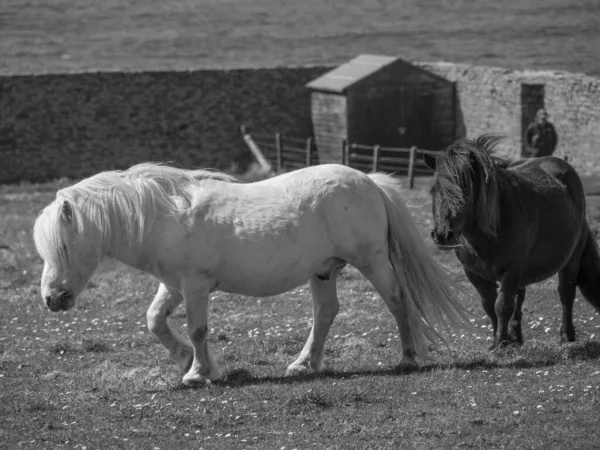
(201, 231)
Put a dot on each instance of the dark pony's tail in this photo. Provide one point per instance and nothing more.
(588, 278)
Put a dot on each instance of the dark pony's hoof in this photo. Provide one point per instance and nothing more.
(404, 367)
(564, 339)
(567, 336)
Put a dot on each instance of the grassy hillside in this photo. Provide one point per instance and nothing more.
(39, 36)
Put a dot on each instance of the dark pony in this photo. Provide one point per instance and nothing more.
(516, 223)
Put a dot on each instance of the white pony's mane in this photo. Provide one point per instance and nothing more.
(115, 207)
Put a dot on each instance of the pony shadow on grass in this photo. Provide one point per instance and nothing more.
(506, 358)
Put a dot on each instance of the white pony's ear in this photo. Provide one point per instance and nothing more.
(429, 161)
(67, 211)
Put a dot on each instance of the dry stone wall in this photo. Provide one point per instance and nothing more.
(74, 125)
(489, 101)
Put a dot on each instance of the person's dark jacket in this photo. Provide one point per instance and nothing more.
(541, 139)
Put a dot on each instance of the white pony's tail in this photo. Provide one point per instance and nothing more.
(424, 285)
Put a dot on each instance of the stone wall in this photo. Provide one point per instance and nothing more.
(489, 101)
(74, 125)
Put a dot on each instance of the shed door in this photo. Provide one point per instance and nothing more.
(421, 120)
(532, 99)
(415, 118)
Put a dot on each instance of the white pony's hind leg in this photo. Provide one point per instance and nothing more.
(385, 281)
(164, 303)
(204, 368)
(325, 308)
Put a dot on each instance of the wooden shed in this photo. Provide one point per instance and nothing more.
(381, 100)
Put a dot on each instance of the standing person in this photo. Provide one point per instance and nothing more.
(540, 137)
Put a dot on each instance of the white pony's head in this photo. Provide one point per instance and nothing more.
(106, 216)
(70, 254)
(86, 223)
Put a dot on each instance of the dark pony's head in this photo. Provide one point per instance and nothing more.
(464, 189)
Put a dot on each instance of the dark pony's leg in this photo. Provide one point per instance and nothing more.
(567, 282)
(488, 291)
(514, 326)
(505, 305)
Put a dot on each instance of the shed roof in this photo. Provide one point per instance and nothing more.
(344, 76)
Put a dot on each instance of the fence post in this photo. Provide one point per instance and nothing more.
(411, 167)
(376, 157)
(278, 151)
(255, 150)
(344, 152)
(308, 151)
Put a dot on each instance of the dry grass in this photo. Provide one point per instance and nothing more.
(95, 377)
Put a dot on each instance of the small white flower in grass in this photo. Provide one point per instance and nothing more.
(516, 413)
(228, 434)
(547, 329)
(539, 406)
(519, 374)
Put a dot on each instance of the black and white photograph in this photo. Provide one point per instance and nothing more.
(289, 225)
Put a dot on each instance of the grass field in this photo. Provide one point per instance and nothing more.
(62, 35)
(96, 378)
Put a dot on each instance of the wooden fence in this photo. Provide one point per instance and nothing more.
(290, 153)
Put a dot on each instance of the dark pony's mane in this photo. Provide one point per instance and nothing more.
(466, 177)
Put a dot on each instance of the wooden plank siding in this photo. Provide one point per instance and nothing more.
(330, 126)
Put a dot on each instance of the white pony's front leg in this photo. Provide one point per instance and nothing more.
(164, 303)
(325, 308)
(203, 368)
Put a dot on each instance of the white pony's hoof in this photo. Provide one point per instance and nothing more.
(297, 369)
(195, 379)
(214, 374)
